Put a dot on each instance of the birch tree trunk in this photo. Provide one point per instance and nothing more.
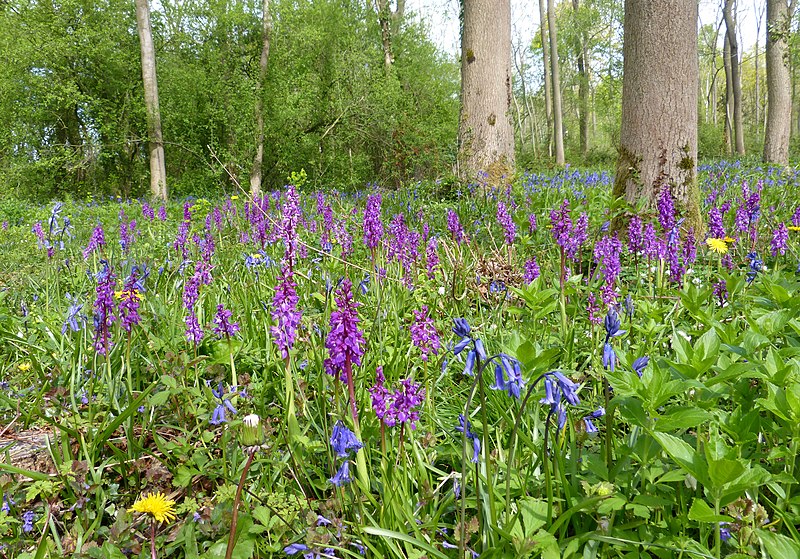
(736, 80)
(659, 105)
(158, 170)
(548, 88)
(558, 126)
(258, 160)
(485, 131)
(779, 92)
(583, 85)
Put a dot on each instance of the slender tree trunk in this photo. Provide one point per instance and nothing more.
(730, 32)
(158, 170)
(258, 160)
(486, 134)
(659, 105)
(779, 93)
(726, 58)
(384, 16)
(548, 88)
(583, 85)
(757, 64)
(558, 127)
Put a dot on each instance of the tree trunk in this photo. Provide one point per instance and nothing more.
(558, 127)
(384, 15)
(258, 160)
(158, 170)
(548, 88)
(736, 80)
(779, 93)
(757, 64)
(583, 84)
(726, 60)
(659, 105)
(486, 135)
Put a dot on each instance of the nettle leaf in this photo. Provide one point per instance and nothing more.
(778, 545)
(682, 418)
(683, 454)
(702, 512)
(706, 351)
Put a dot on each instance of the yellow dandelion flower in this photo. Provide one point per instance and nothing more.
(157, 506)
(729, 240)
(793, 228)
(234, 197)
(25, 367)
(717, 245)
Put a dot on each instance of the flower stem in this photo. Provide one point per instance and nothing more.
(236, 501)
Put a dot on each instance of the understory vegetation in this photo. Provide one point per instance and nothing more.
(422, 372)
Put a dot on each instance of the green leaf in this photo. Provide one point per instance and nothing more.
(683, 454)
(702, 512)
(383, 533)
(778, 545)
(681, 418)
(722, 472)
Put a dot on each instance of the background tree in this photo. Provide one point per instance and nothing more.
(735, 78)
(659, 124)
(158, 170)
(779, 92)
(555, 80)
(266, 31)
(486, 134)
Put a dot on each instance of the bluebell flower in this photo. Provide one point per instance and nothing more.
(219, 415)
(609, 357)
(343, 440)
(342, 476)
(461, 327)
(364, 285)
(464, 426)
(73, 314)
(460, 346)
(508, 367)
(612, 325)
(627, 305)
(568, 388)
(590, 426)
(755, 266)
(481, 351)
(470, 364)
(28, 518)
(639, 365)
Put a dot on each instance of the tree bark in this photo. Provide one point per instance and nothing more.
(158, 170)
(659, 105)
(583, 84)
(486, 134)
(555, 77)
(258, 160)
(736, 80)
(779, 93)
(726, 61)
(548, 88)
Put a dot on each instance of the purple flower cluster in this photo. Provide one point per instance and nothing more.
(635, 238)
(606, 255)
(223, 327)
(423, 333)
(455, 227)
(432, 257)
(129, 301)
(373, 226)
(284, 312)
(531, 270)
(666, 209)
(127, 232)
(716, 228)
(148, 212)
(506, 222)
(104, 308)
(570, 236)
(345, 341)
(532, 223)
(191, 294)
(399, 406)
(779, 239)
(289, 222)
(97, 242)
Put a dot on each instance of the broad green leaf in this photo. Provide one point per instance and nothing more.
(683, 454)
(681, 418)
(702, 512)
(778, 545)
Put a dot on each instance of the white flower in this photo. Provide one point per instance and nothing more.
(441, 290)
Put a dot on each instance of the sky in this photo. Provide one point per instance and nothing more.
(441, 16)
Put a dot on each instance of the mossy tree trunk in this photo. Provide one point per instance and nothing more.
(779, 89)
(659, 106)
(258, 159)
(485, 131)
